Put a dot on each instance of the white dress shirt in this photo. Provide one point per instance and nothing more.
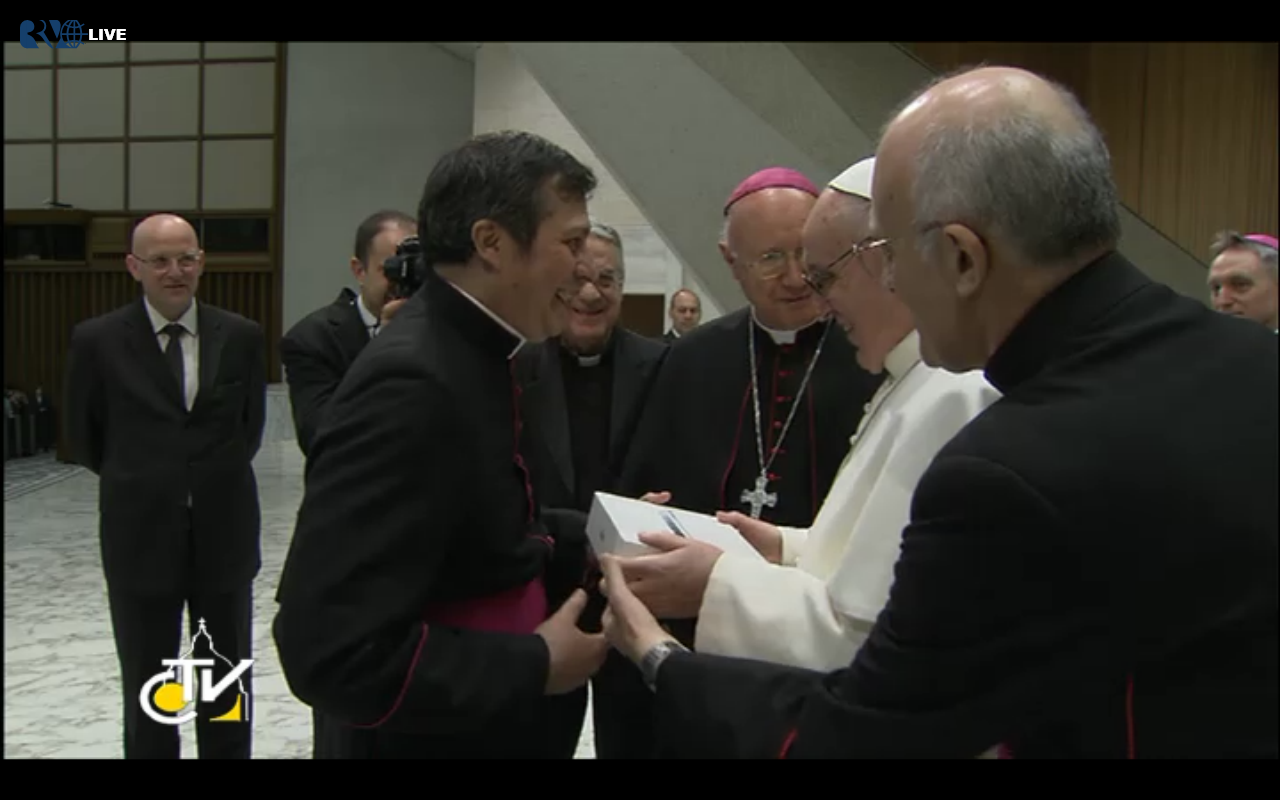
(190, 346)
(372, 323)
(815, 609)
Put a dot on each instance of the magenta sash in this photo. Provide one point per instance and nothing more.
(517, 610)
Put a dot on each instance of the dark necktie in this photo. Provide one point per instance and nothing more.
(173, 355)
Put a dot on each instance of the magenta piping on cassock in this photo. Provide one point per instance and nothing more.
(518, 610)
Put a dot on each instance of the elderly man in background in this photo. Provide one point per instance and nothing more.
(1071, 584)
(1243, 277)
(582, 392)
(685, 313)
(811, 603)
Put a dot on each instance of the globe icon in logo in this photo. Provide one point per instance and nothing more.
(72, 34)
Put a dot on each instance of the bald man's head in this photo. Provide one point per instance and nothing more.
(1011, 154)
(166, 260)
(992, 186)
(162, 227)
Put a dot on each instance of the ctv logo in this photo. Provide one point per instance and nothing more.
(67, 35)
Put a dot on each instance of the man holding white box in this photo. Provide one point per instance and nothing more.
(814, 595)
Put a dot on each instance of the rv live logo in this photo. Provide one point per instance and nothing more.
(64, 35)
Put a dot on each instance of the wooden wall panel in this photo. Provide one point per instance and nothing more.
(645, 314)
(1113, 90)
(1192, 127)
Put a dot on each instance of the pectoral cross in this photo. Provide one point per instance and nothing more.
(758, 498)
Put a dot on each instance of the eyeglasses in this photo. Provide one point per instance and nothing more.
(823, 278)
(776, 263)
(185, 261)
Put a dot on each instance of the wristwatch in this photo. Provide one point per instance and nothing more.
(653, 659)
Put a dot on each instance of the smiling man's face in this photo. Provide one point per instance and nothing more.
(593, 308)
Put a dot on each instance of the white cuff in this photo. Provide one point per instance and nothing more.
(793, 541)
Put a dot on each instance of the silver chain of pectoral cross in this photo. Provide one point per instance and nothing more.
(759, 497)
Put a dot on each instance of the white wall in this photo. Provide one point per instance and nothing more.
(508, 97)
(364, 125)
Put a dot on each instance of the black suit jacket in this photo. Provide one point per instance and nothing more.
(316, 352)
(127, 422)
(1090, 569)
(636, 361)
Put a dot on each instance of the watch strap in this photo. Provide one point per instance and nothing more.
(653, 659)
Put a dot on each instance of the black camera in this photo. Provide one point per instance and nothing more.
(405, 270)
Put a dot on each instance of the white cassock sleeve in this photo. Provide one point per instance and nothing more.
(816, 609)
(773, 613)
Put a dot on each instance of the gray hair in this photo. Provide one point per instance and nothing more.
(605, 233)
(1048, 191)
(1231, 240)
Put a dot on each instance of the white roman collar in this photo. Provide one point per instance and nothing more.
(901, 359)
(780, 337)
(904, 356)
(520, 340)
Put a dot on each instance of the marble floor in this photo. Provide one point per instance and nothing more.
(61, 677)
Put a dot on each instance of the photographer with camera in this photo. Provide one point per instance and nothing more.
(318, 350)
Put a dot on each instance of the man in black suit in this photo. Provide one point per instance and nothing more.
(424, 604)
(584, 389)
(1070, 584)
(685, 313)
(319, 348)
(165, 402)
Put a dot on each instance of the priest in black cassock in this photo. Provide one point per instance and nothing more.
(424, 603)
(752, 411)
(1071, 583)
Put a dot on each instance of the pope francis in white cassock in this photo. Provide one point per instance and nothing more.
(815, 608)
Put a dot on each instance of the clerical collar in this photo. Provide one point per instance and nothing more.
(520, 340)
(593, 360)
(1059, 317)
(904, 356)
(780, 337)
(188, 320)
(371, 323)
